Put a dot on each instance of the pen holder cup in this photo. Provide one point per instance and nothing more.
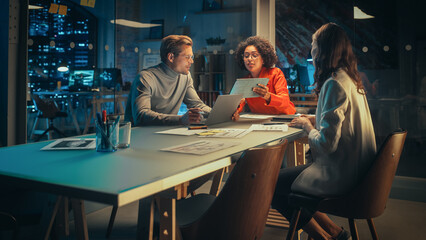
(124, 134)
(106, 137)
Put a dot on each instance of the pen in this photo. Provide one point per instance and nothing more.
(273, 123)
(196, 127)
(106, 127)
(99, 118)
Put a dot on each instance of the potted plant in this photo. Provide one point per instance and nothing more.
(215, 43)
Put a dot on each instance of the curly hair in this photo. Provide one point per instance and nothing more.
(334, 53)
(263, 46)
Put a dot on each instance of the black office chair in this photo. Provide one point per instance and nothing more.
(367, 200)
(50, 110)
(8, 223)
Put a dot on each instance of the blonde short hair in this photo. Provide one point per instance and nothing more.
(172, 44)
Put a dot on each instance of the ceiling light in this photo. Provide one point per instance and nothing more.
(63, 67)
(134, 24)
(359, 14)
(34, 7)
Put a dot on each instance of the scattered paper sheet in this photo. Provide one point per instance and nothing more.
(200, 147)
(275, 128)
(225, 133)
(71, 144)
(256, 116)
(181, 131)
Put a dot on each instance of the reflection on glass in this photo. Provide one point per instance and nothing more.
(52, 35)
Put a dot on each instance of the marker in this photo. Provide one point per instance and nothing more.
(104, 116)
(197, 127)
(106, 128)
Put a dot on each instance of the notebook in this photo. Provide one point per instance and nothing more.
(223, 109)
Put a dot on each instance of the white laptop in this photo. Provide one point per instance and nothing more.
(223, 109)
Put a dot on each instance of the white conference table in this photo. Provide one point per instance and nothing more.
(126, 175)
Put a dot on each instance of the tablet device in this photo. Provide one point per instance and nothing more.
(245, 86)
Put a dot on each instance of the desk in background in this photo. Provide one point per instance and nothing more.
(124, 176)
(305, 103)
(86, 104)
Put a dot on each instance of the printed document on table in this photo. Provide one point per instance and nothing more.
(256, 116)
(275, 128)
(71, 144)
(200, 147)
(245, 86)
(225, 133)
(181, 131)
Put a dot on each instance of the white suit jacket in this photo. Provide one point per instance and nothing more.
(343, 144)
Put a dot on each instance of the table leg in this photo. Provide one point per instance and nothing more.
(49, 133)
(62, 218)
(92, 114)
(111, 220)
(296, 153)
(169, 230)
(217, 182)
(52, 218)
(74, 119)
(81, 231)
(167, 209)
(145, 225)
(182, 190)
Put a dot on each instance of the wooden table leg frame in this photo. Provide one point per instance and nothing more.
(217, 182)
(169, 230)
(79, 217)
(296, 152)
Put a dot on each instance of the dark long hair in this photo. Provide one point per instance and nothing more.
(334, 53)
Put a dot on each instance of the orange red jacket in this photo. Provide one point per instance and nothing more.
(280, 100)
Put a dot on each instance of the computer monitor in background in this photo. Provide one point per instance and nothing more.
(302, 71)
(311, 71)
(81, 80)
(109, 77)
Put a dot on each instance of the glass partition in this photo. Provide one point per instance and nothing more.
(84, 55)
(105, 45)
(389, 41)
(71, 64)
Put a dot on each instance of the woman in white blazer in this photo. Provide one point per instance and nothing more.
(341, 134)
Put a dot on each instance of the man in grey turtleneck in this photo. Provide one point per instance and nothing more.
(158, 92)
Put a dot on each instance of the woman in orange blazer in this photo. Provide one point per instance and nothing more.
(258, 56)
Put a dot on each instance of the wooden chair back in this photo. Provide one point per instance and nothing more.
(240, 210)
(368, 199)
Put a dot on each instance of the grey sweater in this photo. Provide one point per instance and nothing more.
(157, 94)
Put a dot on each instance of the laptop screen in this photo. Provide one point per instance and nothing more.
(223, 109)
(81, 78)
(109, 77)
